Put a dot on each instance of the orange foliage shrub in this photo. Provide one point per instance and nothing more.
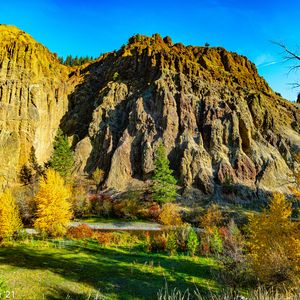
(117, 238)
(212, 218)
(158, 242)
(127, 208)
(101, 204)
(154, 211)
(170, 215)
(82, 231)
(104, 238)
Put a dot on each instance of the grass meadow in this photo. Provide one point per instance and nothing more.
(68, 269)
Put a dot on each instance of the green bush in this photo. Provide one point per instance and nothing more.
(192, 242)
(4, 290)
(116, 76)
(171, 246)
(22, 235)
(235, 271)
(182, 237)
(216, 243)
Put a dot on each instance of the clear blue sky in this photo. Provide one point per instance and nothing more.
(92, 27)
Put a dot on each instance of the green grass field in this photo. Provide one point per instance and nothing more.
(83, 270)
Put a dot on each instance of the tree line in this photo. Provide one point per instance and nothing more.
(75, 61)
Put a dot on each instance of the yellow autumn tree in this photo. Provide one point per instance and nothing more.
(170, 215)
(10, 220)
(53, 207)
(274, 244)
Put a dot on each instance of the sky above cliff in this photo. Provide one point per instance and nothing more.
(93, 27)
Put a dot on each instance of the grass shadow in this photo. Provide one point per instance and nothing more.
(116, 273)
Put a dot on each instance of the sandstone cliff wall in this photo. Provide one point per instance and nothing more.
(33, 99)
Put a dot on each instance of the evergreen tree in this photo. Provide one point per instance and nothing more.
(10, 220)
(37, 168)
(75, 61)
(164, 187)
(53, 208)
(69, 61)
(26, 175)
(31, 172)
(62, 159)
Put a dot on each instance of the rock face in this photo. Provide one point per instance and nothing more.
(218, 119)
(33, 99)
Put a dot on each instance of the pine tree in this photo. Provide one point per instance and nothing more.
(164, 187)
(31, 172)
(26, 175)
(76, 61)
(36, 167)
(62, 159)
(274, 244)
(10, 220)
(69, 61)
(53, 208)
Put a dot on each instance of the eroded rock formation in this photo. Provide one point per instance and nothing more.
(33, 99)
(218, 119)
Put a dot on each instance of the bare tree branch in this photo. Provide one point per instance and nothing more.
(294, 85)
(290, 55)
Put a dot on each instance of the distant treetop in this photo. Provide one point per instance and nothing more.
(75, 61)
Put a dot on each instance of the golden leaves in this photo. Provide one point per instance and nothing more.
(53, 207)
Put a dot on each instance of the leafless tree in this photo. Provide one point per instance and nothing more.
(289, 55)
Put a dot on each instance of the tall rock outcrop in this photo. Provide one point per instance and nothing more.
(33, 98)
(218, 119)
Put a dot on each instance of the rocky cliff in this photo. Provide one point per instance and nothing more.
(33, 98)
(219, 120)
